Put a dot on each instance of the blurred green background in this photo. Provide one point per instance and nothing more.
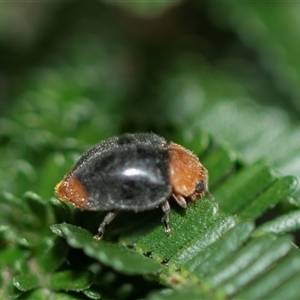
(73, 73)
(220, 78)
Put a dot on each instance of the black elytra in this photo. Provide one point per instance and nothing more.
(133, 172)
(127, 172)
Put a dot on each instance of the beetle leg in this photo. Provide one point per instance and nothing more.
(165, 219)
(180, 200)
(108, 218)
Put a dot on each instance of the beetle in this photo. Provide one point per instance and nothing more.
(133, 172)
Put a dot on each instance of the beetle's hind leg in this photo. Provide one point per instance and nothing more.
(165, 219)
(108, 218)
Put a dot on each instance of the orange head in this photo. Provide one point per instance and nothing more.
(188, 177)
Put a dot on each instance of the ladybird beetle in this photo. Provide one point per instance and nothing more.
(133, 172)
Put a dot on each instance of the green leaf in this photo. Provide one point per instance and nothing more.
(26, 282)
(38, 209)
(285, 223)
(92, 294)
(225, 160)
(238, 190)
(206, 237)
(115, 256)
(11, 256)
(288, 290)
(230, 267)
(71, 280)
(285, 269)
(277, 249)
(184, 226)
(207, 260)
(277, 192)
(61, 210)
(51, 255)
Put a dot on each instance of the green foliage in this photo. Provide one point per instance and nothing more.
(222, 79)
(115, 256)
